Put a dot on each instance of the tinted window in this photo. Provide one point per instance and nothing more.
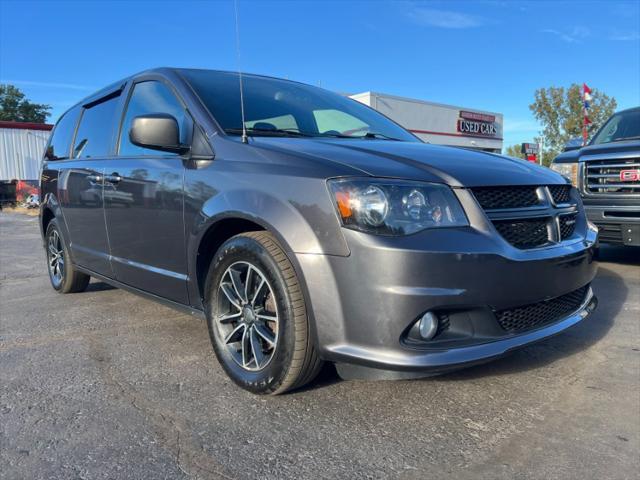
(152, 97)
(96, 129)
(60, 142)
(339, 122)
(315, 111)
(621, 126)
(285, 122)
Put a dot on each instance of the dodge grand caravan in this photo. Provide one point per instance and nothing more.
(310, 228)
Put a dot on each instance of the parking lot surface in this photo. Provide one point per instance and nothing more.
(104, 384)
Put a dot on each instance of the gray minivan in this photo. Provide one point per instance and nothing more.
(306, 227)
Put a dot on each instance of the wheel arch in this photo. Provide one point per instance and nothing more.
(222, 229)
(47, 216)
(50, 209)
(214, 236)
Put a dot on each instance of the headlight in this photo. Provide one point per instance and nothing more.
(395, 207)
(568, 170)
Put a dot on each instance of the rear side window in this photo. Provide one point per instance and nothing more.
(152, 97)
(60, 143)
(95, 132)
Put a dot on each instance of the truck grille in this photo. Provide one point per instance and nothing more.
(524, 233)
(520, 319)
(491, 198)
(603, 177)
(610, 233)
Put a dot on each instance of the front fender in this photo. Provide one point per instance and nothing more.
(300, 227)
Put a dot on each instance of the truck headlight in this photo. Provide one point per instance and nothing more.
(395, 207)
(568, 170)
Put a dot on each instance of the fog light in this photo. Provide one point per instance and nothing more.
(428, 326)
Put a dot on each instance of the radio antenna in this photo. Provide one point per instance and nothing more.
(245, 139)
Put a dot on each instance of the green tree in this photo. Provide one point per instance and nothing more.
(559, 110)
(547, 154)
(514, 151)
(15, 107)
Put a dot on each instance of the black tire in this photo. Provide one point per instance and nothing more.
(64, 277)
(293, 360)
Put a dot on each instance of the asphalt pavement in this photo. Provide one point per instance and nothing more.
(106, 385)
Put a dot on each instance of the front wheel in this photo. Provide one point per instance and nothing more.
(257, 317)
(62, 273)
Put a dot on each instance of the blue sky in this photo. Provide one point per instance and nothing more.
(488, 55)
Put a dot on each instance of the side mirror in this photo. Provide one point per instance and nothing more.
(573, 144)
(157, 131)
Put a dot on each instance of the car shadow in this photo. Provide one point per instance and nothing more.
(98, 286)
(619, 255)
(326, 377)
(612, 292)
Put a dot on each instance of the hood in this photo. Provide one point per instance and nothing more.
(603, 148)
(416, 161)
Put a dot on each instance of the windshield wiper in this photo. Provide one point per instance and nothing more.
(624, 139)
(278, 132)
(370, 135)
(281, 132)
(375, 135)
(335, 135)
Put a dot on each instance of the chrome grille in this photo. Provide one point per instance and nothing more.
(606, 177)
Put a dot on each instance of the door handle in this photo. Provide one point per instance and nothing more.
(113, 178)
(94, 178)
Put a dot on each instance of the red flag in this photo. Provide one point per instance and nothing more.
(587, 121)
(585, 88)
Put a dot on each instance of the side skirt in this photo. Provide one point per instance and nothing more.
(150, 296)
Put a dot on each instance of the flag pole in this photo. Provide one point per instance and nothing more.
(586, 99)
(584, 115)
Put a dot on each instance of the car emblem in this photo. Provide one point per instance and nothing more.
(630, 175)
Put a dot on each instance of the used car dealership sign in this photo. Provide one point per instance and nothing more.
(478, 124)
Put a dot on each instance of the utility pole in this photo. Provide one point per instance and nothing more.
(541, 144)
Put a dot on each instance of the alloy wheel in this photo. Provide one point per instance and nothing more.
(247, 316)
(55, 257)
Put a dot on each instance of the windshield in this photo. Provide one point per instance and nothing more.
(621, 126)
(281, 107)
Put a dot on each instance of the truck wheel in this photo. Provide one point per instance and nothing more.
(62, 273)
(257, 317)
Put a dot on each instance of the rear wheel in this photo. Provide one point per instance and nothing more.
(65, 278)
(257, 316)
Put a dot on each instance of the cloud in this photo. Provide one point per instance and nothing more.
(432, 17)
(575, 35)
(625, 36)
(30, 83)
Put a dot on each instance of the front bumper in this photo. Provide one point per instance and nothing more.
(363, 305)
(618, 224)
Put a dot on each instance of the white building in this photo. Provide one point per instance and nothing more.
(440, 124)
(21, 148)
